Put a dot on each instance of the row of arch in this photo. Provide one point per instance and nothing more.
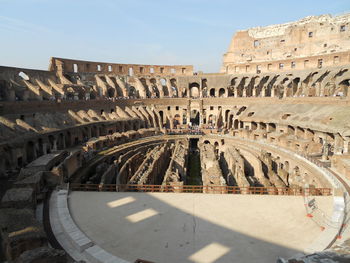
(19, 156)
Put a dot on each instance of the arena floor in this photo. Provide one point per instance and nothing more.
(201, 228)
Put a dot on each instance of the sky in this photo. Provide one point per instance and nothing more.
(187, 32)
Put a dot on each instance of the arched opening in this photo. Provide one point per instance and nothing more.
(92, 95)
(235, 124)
(194, 118)
(111, 92)
(290, 130)
(184, 117)
(177, 120)
(165, 87)
(254, 125)
(51, 143)
(343, 88)
(226, 115)
(211, 120)
(68, 140)
(222, 92)
(30, 152)
(132, 92)
(161, 114)
(70, 94)
(212, 92)
(75, 68)
(272, 127)
(230, 120)
(194, 90)
(295, 84)
(173, 85)
(40, 150)
(60, 142)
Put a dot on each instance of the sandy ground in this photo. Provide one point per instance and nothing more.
(201, 228)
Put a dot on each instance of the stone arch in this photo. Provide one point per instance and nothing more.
(173, 84)
(177, 120)
(161, 115)
(165, 87)
(111, 92)
(343, 89)
(222, 92)
(194, 89)
(212, 92)
(132, 92)
(195, 118)
(227, 113)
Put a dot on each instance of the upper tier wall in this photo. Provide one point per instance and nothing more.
(75, 66)
(313, 41)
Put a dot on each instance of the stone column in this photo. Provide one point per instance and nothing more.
(64, 142)
(244, 92)
(338, 144)
(285, 89)
(188, 112)
(54, 148)
(44, 148)
(325, 150)
(273, 91)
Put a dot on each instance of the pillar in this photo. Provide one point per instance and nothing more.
(44, 148)
(244, 92)
(254, 92)
(338, 144)
(346, 146)
(273, 91)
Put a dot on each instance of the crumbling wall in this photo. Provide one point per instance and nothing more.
(211, 172)
(176, 172)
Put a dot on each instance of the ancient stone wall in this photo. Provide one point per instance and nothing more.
(79, 66)
(312, 42)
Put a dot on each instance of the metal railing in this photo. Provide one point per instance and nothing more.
(212, 189)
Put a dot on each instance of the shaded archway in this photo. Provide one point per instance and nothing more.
(194, 117)
(111, 92)
(194, 90)
(212, 92)
(30, 151)
(132, 92)
(222, 92)
(177, 120)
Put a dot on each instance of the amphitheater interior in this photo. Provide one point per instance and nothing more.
(110, 162)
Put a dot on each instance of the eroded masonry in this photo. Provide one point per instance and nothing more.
(274, 122)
